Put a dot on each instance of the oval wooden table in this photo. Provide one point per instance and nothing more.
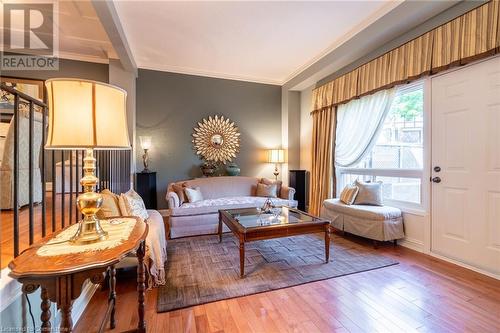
(61, 277)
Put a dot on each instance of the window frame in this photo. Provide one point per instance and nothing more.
(422, 174)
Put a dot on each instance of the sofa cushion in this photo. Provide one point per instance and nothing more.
(210, 206)
(220, 187)
(363, 211)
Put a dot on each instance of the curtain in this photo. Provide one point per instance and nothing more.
(322, 172)
(358, 124)
(471, 36)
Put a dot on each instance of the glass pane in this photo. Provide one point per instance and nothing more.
(394, 188)
(400, 143)
(250, 218)
(401, 189)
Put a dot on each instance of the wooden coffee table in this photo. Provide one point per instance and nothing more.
(248, 225)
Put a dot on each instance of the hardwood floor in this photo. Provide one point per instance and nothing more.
(421, 294)
(7, 225)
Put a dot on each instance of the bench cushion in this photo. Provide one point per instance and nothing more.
(363, 211)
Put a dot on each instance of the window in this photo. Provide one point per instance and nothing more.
(397, 157)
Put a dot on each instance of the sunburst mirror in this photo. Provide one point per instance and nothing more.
(216, 139)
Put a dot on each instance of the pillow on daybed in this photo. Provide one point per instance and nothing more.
(131, 204)
(349, 194)
(110, 206)
(369, 194)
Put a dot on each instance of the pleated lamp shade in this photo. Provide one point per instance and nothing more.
(276, 156)
(86, 114)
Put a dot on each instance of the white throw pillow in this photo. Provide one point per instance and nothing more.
(193, 194)
(131, 204)
(369, 194)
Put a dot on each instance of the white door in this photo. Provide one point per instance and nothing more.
(466, 146)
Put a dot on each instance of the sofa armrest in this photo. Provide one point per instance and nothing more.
(287, 193)
(173, 200)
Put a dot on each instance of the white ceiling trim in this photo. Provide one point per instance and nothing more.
(353, 32)
(216, 75)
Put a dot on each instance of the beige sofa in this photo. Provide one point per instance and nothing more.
(202, 217)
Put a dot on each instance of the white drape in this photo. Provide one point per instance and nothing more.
(358, 124)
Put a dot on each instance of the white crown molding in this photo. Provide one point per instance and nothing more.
(217, 75)
(82, 57)
(350, 34)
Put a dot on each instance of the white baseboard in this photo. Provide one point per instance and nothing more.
(464, 265)
(413, 244)
(10, 291)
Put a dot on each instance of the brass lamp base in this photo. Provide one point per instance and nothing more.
(276, 172)
(89, 229)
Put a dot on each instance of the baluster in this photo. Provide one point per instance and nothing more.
(16, 175)
(44, 185)
(70, 187)
(54, 190)
(63, 188)
(30, 174)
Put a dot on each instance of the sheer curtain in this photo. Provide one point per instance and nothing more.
(358, 125)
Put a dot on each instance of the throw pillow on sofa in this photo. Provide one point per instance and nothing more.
(179, 190)
(131, 204)
(278, 183)
(193, 194)
(110, 206)
(270, 191)
(369, 194)
(349, 194)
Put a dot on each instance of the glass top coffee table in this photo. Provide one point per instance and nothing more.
(249, 224)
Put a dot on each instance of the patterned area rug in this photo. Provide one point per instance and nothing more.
(201, 270)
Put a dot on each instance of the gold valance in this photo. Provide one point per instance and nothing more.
(471, 36)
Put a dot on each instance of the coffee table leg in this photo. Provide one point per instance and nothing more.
(141, 286)
(327, 244)
(242, 258)
(220, 228)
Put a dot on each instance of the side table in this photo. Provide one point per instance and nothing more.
(146, 188)
(61, 277)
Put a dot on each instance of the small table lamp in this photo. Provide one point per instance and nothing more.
(145, 145)
(276, 156)
(87, 115)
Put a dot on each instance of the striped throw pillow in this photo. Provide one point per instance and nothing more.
(349, 194)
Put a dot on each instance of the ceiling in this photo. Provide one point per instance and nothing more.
(266, 42)
(80, 33)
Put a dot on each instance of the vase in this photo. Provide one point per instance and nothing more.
(208, 169)
(232, 169)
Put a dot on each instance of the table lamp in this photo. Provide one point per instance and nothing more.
(276, 156)
(145, 145)
(87, 115)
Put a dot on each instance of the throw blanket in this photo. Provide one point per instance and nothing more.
(156, 244)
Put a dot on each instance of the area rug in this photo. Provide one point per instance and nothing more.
(201, 270)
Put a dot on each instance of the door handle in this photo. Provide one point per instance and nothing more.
(437, 168)
(436, 180)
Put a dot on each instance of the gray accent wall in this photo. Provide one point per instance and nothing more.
(169, 106)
